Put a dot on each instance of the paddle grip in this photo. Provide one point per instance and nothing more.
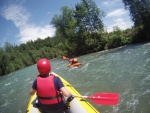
(69, 99)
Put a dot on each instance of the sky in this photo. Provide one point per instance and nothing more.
(25, 20)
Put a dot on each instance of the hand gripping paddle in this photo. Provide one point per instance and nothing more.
(103, 98)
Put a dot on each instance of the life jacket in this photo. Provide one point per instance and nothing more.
(46, 91)
(75, 60)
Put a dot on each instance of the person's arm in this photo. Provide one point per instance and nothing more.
(60, 86)
(32, 91)
(34, 88)
(65, 92)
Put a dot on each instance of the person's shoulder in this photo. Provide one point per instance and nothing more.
(56, 77)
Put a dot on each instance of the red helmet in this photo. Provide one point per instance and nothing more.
(44, 66)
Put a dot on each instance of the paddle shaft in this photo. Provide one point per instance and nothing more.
(92, 97)
(103, 98)
(80, 96)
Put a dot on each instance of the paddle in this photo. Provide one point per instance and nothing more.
(65, 58)
(103, 98)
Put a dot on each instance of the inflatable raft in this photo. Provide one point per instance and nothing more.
(75, 64)
(77, 105)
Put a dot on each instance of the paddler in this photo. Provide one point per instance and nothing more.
(73, 61)
(49, 89)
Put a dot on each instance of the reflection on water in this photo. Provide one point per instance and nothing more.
(124, 70)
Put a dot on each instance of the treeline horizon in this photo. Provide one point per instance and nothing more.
(79, 31)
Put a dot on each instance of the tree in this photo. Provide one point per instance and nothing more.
(140, 15)
(65, 22)
(89, 26)
(80, 26)
(1, 53)
(8, 47)
(5, 63)
(89, 16)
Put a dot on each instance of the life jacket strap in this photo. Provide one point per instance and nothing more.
(50, 98)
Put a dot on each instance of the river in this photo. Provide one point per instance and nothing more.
(124, 70)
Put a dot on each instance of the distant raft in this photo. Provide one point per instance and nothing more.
(64, 57)
(75, 64)
(77, 105)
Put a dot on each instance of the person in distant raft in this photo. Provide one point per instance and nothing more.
(49, 89)
(73, 60)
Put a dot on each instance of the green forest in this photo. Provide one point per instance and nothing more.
(79, 31)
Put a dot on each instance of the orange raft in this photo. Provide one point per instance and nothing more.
(75, 64)
(64, 57)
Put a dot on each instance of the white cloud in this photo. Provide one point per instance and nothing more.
(121, 23)
(49, 12)
(117, 12)
(28, 31)
(33, 32)
(119, 18)
(110, 2)
(116, 15)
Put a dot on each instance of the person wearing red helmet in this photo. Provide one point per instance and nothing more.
(49, 89)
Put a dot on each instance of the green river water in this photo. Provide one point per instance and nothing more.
(124, 70)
